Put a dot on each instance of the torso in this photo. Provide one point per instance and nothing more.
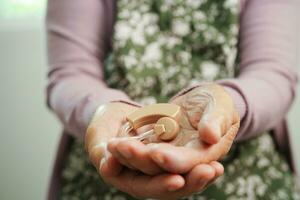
(160, 47)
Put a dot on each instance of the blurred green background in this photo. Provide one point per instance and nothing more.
(29, 132)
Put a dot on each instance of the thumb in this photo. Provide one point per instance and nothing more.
(209, 128)
(220, 149)
(216, 120)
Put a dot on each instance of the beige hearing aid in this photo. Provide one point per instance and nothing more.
(164, 116)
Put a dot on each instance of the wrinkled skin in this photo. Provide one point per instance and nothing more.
(168, 171)
(104, 126)
(210, 114)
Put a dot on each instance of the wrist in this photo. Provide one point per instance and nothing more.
(238, 101)
(92, 141)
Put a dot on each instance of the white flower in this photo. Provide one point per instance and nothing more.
(129, 61)
(231, 57)
(149, 81)
(158, 65)
(132, 53)
(234, 29)
(230, 3)
(135, 18)
(171, 71)
(168, 3)
(180, 27)
(148, 101)
(209, 70)
(210, 34)
(221, 38)
(164, 8)
(207, 37)
(180, 11)
(194, 3)
(161, 39)
(253, 182)
(272, 172)
(263, 162)
(229, 188)
(123, 31)
(144, 8)
(172, 41)
(124, 13)
(200, 27)
(151, 30)
(185, 57)
(149, 18)
(138, 37)
(199, 16)
(152, 53)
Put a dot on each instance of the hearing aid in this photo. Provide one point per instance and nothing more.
(164, 117)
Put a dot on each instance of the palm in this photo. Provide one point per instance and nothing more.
(189, 137)
(104, 126)
(209, 125)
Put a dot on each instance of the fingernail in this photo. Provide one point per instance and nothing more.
(152, 145)
(126, 154)
(102, 161)
(159, 158)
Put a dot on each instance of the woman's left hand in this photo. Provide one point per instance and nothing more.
(210, 110)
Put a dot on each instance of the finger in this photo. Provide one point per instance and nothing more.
(222, 148)
(112, 147)
(196, 180)
(137, 155)
(198, 177)
(96, 154)
(142, 186)
(110, 167)
(210, 129)
(216, 151)
(218, 168)
(112, 177)
(181, 159)
(175, 159)
(219, 171)
(217, 117)
(156, 186)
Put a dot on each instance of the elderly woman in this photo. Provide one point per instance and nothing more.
(107, 58)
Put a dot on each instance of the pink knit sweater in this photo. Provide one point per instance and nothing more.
(79, 34)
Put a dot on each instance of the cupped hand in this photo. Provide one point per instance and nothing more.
(208, 114)
(163, 186)
(105, 125)
(210, 111)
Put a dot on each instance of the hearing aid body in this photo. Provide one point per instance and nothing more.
(164, 116)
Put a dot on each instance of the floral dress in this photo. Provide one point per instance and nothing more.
(160, 47)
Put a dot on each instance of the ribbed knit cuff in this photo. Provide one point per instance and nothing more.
(238, 100)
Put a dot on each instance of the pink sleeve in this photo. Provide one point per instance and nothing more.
(265, 87)
(76, 31)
